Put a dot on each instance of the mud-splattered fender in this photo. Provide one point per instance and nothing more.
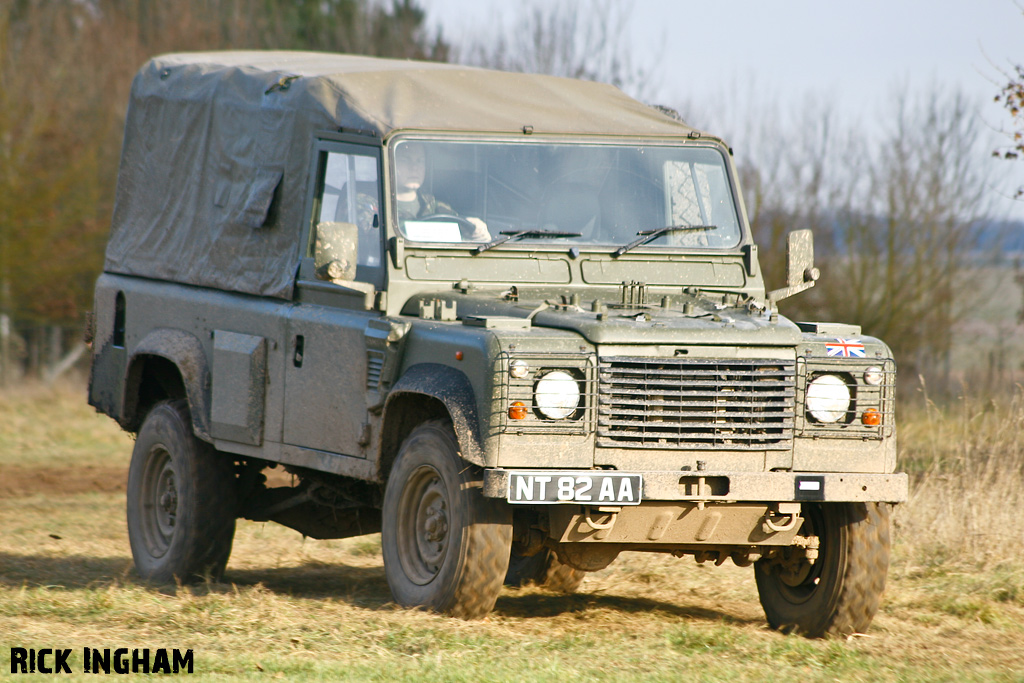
(185, 351)
(446, 385)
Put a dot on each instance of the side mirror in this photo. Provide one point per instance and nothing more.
(335, 251)
(800, 271)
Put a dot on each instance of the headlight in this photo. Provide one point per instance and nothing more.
(828, 398)
(557, 395)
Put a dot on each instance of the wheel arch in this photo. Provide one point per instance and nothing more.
(430, 391)
(167, 364)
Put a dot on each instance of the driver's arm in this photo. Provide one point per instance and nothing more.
(481, 234)
(433, 205)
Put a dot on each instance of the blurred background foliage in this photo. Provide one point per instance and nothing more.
(905, 235)
(65, 70)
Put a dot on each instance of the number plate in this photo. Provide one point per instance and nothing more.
(575, 487)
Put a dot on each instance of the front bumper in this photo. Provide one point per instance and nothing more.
(750, 486)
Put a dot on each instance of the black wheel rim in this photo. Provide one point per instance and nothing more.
(423, 529)
(799, 578)
(159, 501)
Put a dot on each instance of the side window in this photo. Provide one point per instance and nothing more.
(350, 194)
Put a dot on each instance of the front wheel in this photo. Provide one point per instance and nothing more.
(445, 545)
(181, 500)
(838, 592)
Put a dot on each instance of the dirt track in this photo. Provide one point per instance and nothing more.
(26, 481)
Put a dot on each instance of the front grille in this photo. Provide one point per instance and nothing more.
(746, 404)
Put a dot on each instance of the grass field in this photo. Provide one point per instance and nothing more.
(320, 610)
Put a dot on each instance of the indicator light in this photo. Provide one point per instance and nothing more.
(871, 417)
(517, 411)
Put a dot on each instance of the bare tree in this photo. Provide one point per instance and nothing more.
(585, 39)
(897, 216)
(920, 230)
(1011, 95)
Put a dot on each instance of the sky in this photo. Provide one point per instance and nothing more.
(856, 54)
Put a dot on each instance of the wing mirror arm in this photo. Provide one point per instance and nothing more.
(800, 271)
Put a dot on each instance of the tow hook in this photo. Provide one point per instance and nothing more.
(612, 515)
(791, 516)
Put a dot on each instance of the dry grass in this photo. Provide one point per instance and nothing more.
(56, 427)
(967, 494)
(320, 610)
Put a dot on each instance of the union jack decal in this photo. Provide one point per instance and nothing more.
(845, 348)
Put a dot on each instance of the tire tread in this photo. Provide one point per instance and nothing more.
(866, 571)
(203, 552)
(483, 553)
(842, 604)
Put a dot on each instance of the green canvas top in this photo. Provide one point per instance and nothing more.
(213, 139)
(384, 95)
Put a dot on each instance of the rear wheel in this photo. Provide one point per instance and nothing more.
(181, 500)
(445, 546)
(838, 592)
(543, 569)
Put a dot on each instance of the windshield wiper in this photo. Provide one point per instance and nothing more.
(507, 235)
(648, 235)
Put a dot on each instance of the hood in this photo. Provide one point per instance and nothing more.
(693, 320)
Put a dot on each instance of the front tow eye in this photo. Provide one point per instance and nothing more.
(611, 512)
(791, 516)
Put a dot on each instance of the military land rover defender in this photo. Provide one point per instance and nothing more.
(514, 323)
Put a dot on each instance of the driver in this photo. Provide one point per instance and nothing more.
(413, 202)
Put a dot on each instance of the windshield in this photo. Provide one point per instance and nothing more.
(597, 194)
